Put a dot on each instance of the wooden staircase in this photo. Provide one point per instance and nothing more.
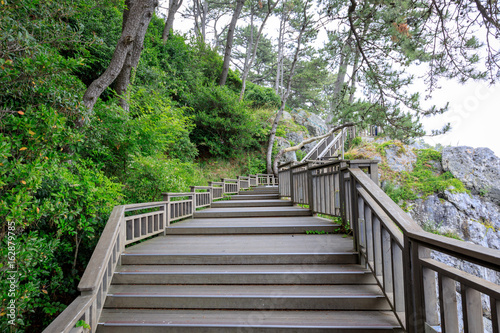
(246, 265)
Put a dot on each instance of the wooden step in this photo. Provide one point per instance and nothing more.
(242, 274)
(242, 249)
(252, 212)
(215, 321)
(260, 190)
(237, 297)
(256, 225)
(239, 259)
(255, 197)
(251, 203)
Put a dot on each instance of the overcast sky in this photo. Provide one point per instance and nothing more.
(474, 114)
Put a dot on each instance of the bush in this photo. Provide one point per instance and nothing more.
(150, 176)
(260, 96)
(224, 126)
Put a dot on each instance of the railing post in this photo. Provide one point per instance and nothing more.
(166, 197)
(291, 184)
(238, 182)
(193, 189)
(310, 193)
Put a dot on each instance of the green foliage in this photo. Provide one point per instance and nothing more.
(151, 127)
(256, 164)
(316, 232)
(223, 125)
(261, 96)
(150, 176)
(432, 228)
(300, 154)
(356, 141)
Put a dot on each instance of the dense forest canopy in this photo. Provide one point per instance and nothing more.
(103, 103)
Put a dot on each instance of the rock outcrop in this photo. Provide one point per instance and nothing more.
(314, 124)
(477, 168)
(399, 158)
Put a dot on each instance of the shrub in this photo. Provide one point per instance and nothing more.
(150, 176)
(260, 96)
(224, 126)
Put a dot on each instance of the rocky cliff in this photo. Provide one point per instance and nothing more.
(455, 193)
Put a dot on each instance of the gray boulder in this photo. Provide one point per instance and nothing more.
(314, 124)
(478, 169)
(287, 157)
(400, 159)
(295, 137)
(286, 116)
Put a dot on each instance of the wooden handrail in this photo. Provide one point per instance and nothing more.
(92, 276)
(395, 248)
(121, 230)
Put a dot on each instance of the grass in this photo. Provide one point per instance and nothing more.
(430, 227)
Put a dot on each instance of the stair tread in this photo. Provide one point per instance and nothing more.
(252, 291)
(333, 319)
(242, 269)
(257, 222)
(244, 244)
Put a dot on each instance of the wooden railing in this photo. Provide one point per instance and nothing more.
(128, 224)
(422, 291)
(328, 147)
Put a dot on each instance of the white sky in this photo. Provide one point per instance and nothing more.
(474, 109)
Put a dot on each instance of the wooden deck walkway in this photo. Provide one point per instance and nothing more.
(246, 265)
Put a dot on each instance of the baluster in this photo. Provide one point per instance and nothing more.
(429, 289)
(495, 314)
(377, 247)
(448, 304)
(386, 263)
(398, 280)
(369, 234)
(472, 309)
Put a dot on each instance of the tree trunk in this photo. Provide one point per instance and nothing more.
(123, 47)
(173, 7)
(255, 46)
(272, 134)
(344, 60)
(229, 42)
(279, 69)
(134, 55)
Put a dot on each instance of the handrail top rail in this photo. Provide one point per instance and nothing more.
(178, 194)
(98, 262)
(229, 180)
(364, 161)
(327, 164)
(468, 251)
(145, 205)
(216, 183)
(200, 187)
(282, 165)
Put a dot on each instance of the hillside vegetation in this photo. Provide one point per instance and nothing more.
(63, 170)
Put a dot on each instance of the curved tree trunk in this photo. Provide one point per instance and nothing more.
(229, 42)
(173, 7)
(134, 55)
(125, 45)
